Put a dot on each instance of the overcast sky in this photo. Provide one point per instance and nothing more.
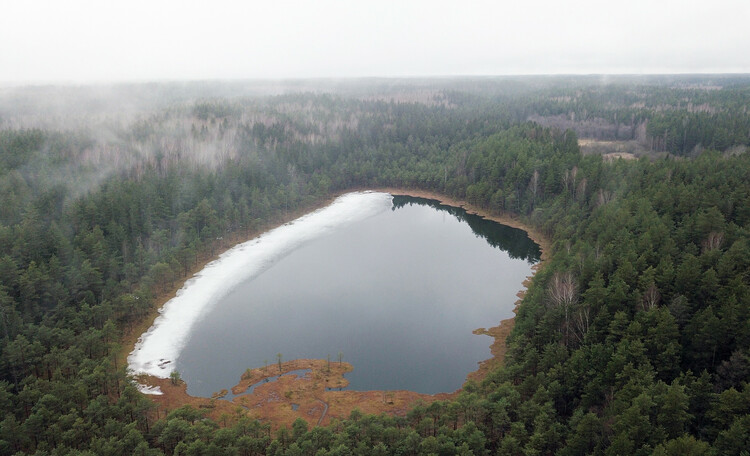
(134, 40)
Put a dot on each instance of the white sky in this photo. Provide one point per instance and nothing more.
(124, 40)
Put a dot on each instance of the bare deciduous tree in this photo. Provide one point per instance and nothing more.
(569, 180)
(534, 184)
(581, 190)
(563, 289)
(713, 241)
(604, 197)
(651, 297)
(563, 292)
(581, 323)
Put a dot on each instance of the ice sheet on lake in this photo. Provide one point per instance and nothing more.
(159, 347)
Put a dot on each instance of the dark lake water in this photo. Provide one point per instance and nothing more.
(398, 294)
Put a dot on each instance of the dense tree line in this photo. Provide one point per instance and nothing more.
(634, 339)
(681, 121)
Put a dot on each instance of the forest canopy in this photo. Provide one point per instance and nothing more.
(633, 339)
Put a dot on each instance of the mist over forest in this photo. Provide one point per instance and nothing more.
(633, 337)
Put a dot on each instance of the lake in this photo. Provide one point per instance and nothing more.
(397, 293)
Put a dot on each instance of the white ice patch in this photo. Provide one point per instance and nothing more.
(152, 390)
(159, 347)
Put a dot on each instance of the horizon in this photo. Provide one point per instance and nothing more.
(445, 77)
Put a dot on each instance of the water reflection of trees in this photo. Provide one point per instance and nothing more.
(512, 240)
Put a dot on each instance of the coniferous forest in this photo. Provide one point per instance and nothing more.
(633, 338)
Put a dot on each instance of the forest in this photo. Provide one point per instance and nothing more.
(634, 338)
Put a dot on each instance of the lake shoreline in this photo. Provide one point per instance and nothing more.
(176, 395)
(131, 336)
(500, 332)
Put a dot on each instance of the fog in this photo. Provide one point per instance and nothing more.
(100, 129)
(89, 41)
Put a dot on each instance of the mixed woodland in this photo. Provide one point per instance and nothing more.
(634, 338)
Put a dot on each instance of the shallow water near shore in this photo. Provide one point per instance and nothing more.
(397, 291)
